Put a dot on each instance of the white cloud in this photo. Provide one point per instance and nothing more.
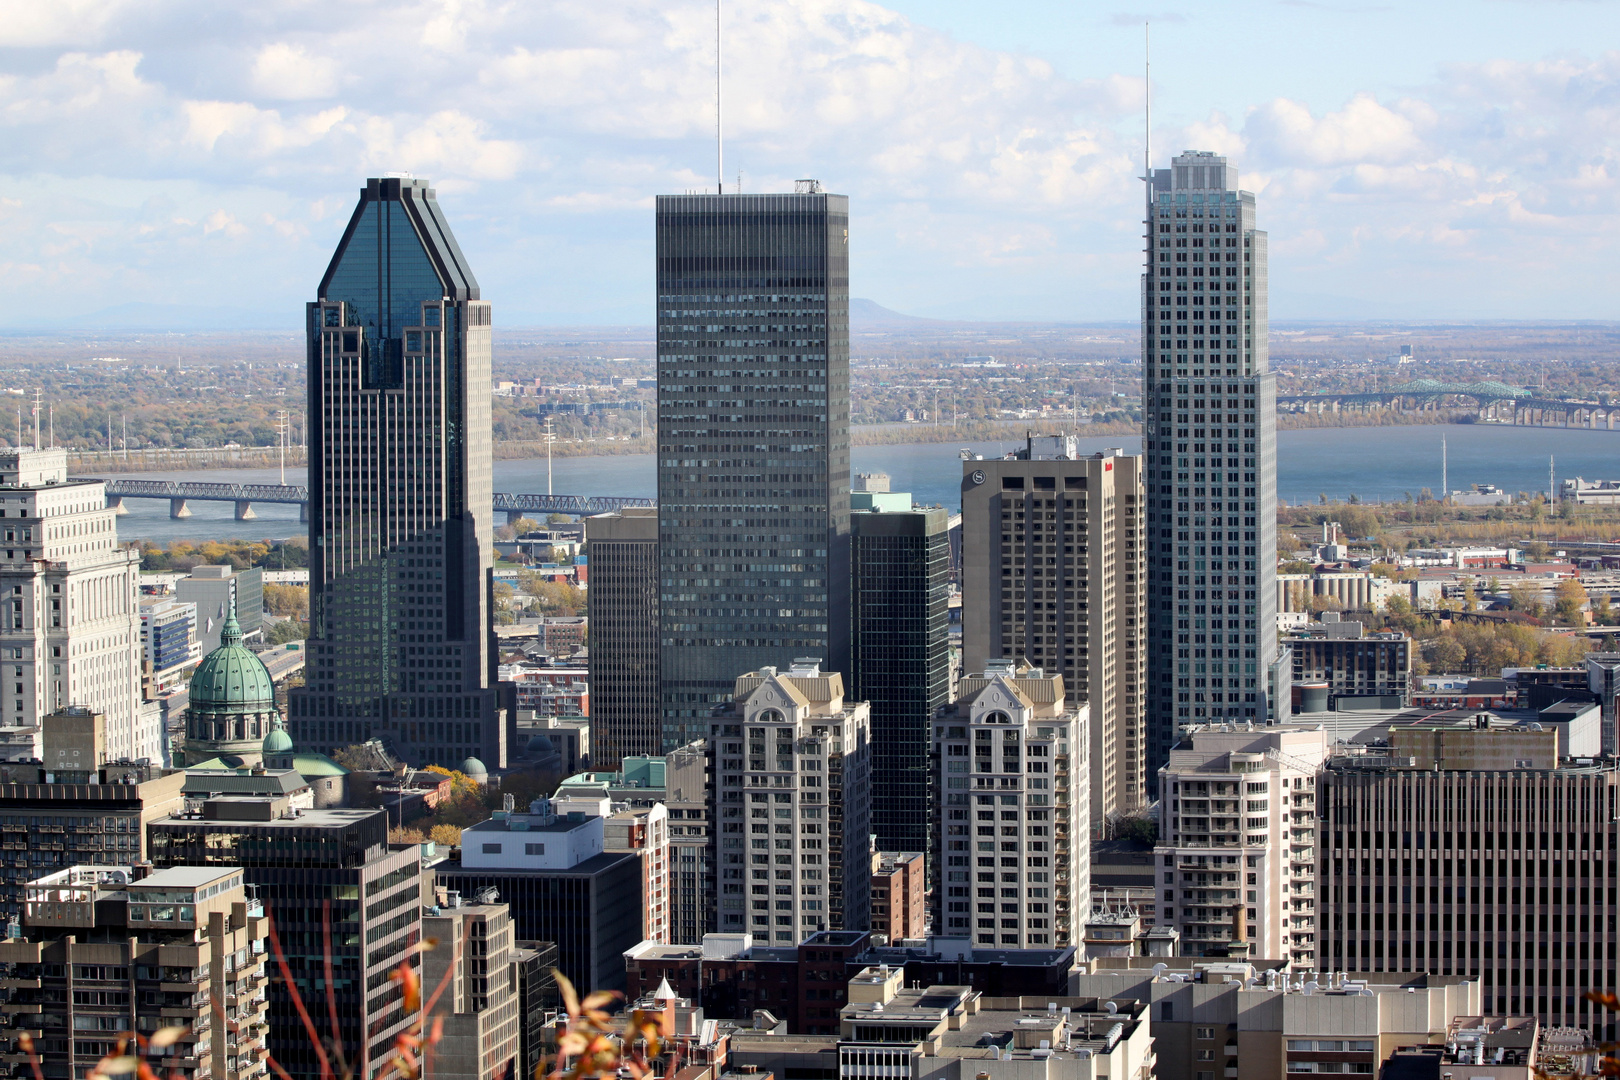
(288, 72)
(973, 173)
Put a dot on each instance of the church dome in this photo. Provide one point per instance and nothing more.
(231, 679)
(277, 742)
(474, 770)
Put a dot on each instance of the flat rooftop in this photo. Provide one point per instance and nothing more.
(185, 877)
(306, 819)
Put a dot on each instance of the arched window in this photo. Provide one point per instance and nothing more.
(998, 717)
(769, 716)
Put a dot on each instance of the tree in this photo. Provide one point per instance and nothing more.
(1295, 566)
(445, 835)
(1523, 598)
(287, 630)
(1602, 612)
(399, 834)
(1139, 829)
(287, 600)
(1446, 654)
(1569, 602)
(1536, 550)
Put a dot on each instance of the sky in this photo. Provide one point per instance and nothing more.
(199, 160)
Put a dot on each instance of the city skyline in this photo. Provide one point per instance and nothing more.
(1449, 174)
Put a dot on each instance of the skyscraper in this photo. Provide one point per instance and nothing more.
(900, 648)
(626, 717)
(753, 442)
(1209, 405)
(1052, 555)
(399, 476)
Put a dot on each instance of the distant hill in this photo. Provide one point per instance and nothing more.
(871, 315)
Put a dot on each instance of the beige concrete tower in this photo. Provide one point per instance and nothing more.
(1052, 576)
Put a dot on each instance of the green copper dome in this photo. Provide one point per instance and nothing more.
(231, 679)
(277, 742)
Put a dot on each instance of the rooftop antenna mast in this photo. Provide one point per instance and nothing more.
(1147, 131)
(37, 394)
(719, 143)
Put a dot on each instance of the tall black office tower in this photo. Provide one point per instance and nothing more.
(1210, 411)
(753, 442)
(400, 639)
(900, 658)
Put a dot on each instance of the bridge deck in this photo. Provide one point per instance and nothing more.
(298, 494)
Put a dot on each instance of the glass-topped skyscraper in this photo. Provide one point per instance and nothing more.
(753, 442)
(399, 482)
(1209, 402)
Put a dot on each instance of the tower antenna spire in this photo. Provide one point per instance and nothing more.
(719, 141)
(1147, 130)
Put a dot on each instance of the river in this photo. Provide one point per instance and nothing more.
(1374, 463)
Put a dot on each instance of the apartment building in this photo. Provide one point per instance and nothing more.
(102, 951)
(1237, 842)
(790, 791)
(1011, 755)
(1053, 547)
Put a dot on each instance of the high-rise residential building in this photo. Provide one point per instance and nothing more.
(1052, 548)
(1472, 851)
(479, 1006)
(1237, 843)
(753, 441)
(400, 639)
(790, 806)
(52, 821)
(70, 624)
(900, 654)
(317, 871)
(1015, 869)
(1209, 437)
(644, 830)
(102, 951)
(626, 710)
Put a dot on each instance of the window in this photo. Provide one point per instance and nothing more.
(492, 849)
(1209, 1033)
(533, 849)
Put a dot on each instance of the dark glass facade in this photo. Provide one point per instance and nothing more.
(334, 891)
(753, 442)
(626, 712)
(400, 492)
(592, 913)
(900, 648)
